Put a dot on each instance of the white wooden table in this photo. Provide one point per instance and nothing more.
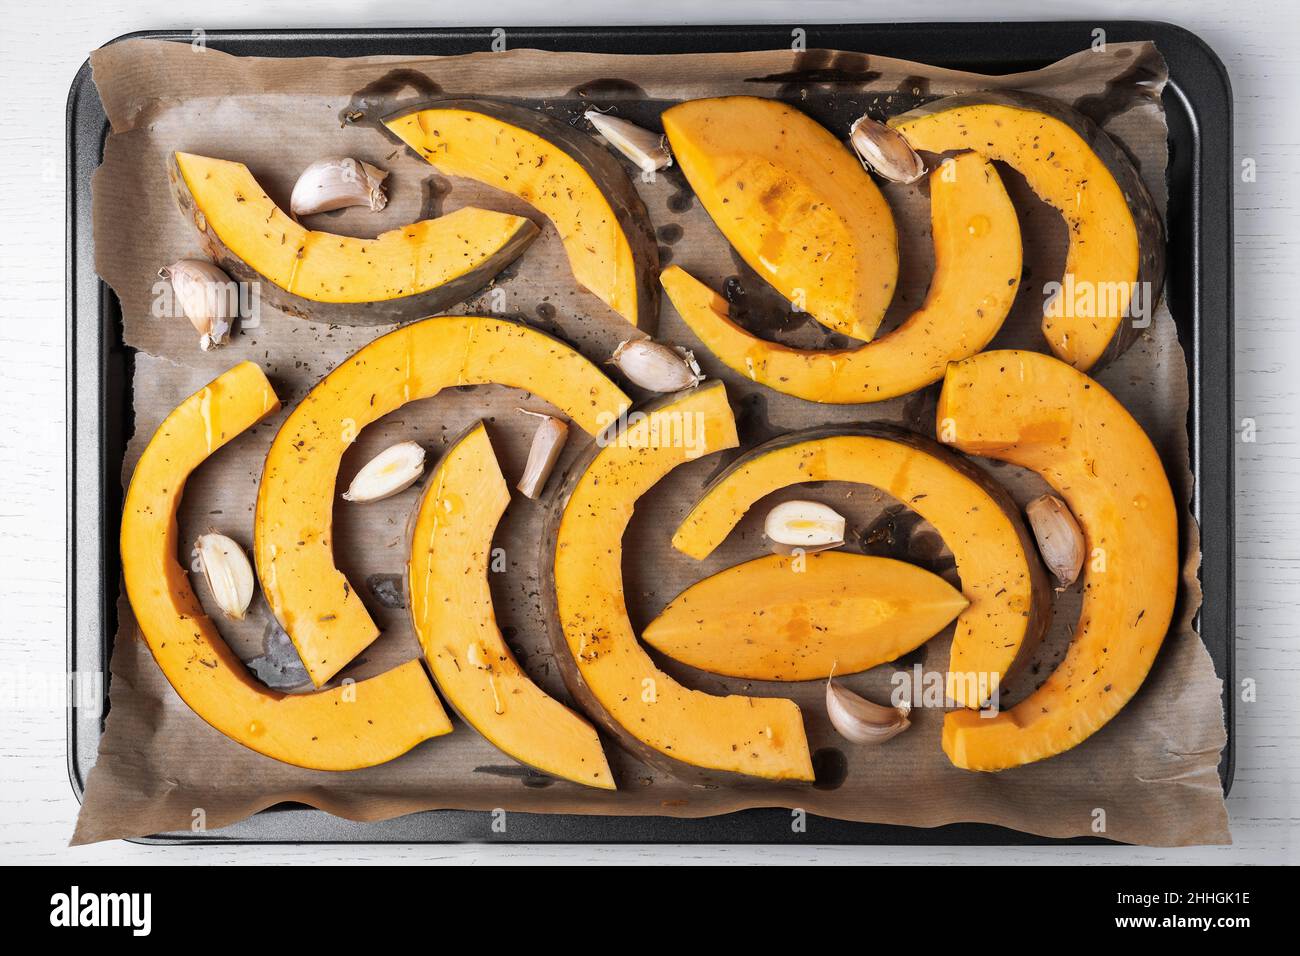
(43, 44)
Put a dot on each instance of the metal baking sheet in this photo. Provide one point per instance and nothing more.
(1198, 105)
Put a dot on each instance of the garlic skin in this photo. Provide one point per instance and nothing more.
(548, 442)
(1060, 539)
(228, 573)
(647, 149)
(208, 297)
(336, 183)
(656, 366)
(861, 721)
(393, 470)
(885, 151)
(807, 526)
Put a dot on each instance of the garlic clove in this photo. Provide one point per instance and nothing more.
(647, 149)
(1060, 539)
(656, 366)
(228, 573)
(548, 442)
(207, 296)
(394, 469)
(336, 183)
(808, 526)
(885, 151)
(862, 721)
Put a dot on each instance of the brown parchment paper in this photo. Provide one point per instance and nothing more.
(1150, 775)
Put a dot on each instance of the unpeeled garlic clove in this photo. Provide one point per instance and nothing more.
(862, 721)
(806, 526)
(394, 469)
(228, 573)
(1060, 539)
(656, 366)
(336, 183)
(548, 442)
(207, 296)
(649, 150)
(885, 151)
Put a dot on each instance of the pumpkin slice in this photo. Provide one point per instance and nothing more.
(415, 270)
(800, 618)
(1039, 413)
(1009, 595)
(311, 598)
(360, 725)
(688, 732)
(451, 607)
(1116, 236)
(977, 273)
(796, 204)
(568, 176)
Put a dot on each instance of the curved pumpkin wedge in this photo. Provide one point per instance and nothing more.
(1116, 236)
(451, 608)
(310, 597)
(1010, 599)
(1039, 413)
(795, 203)
(415, 270)
(687, 732)
(789, 618)
(977, 274)
(345, 728)
(568, 176)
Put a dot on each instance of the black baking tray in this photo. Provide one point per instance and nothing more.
(1198, 103)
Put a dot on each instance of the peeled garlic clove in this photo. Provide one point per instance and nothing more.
(647, 149)
(862, 721)
(804, 525)
(336, 183)
(885, 151)
(658, 367)
(207, 296)
(1060, 539)
(228, 573)
(394, 469)
(548, 442)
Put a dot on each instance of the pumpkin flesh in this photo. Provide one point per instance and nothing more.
(1070, 165)
(567, 176)
(999, 570)
(424, 256)
(655, 716)
(977, 275)
(313, 601)
(345, 728)
(451, 608)
(1039, 413)
(794, 202)
(792, 618)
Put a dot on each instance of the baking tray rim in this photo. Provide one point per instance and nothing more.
(1198, 81)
